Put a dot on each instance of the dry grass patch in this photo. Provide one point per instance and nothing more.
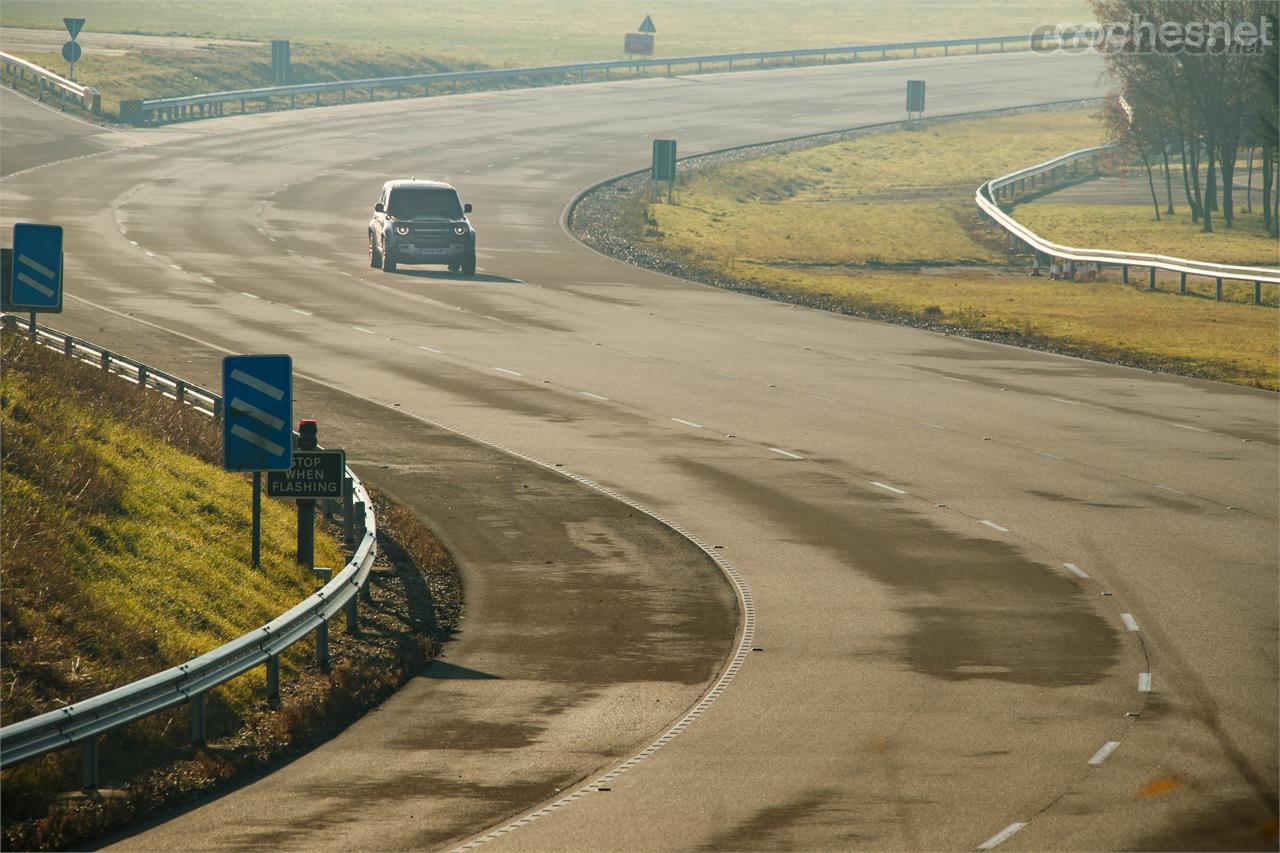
(1121, 227)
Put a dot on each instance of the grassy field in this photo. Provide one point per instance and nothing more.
(823, 226)
(535, 32)
(869, 201)
(1122, 226)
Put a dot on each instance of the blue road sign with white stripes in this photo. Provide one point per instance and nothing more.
(36, 283)
(257, 424)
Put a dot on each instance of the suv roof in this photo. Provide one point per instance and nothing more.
(415, 182)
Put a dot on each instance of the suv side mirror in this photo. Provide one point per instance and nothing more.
(377, 208)
(466, 208)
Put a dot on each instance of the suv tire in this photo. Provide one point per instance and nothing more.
(388, 263)
(375, 257)
(469, 263)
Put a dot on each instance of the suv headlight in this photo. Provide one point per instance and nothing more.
(402, 230)
(459, 230)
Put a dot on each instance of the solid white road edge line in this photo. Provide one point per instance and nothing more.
(1129, 621)
(504, 370)
(994, 526)
(886, 487)
(786, 453)
(1076, 570)
(687, 423)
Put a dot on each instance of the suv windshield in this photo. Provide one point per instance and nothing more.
(424, 203)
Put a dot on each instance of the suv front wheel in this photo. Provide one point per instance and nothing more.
(388, 262)
(375, 257)
(469, 262)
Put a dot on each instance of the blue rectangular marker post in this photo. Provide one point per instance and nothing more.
(35, 283)
(257, 423)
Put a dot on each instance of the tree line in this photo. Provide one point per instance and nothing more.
(1201, 103)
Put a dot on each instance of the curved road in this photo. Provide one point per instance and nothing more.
(995, 589)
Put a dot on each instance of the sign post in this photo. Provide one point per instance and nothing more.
(71, 50)
(664, 167)
(256, 436)
(915, 98)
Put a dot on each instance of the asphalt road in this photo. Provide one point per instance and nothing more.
(993, 588)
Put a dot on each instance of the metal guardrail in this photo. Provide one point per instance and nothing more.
(46, 80)
(164, 110)
(82, 722)
(988, 195)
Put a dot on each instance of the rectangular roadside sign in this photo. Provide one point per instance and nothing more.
(257, 433)
(34, 280)
(314, 475)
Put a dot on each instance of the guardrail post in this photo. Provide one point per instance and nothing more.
(217, 410)
(358, 509)
(142, 376)
(273, 681)
(195, 707)
(1035, 264)
(180, 391)
(1124, 273)
(1257, 293)
(353, 614)
(1071, 270)
(1151, 280)
(946, 50)
(1182, 283)
(106, 360)
(69, 345)
(348, 522)
(322, 645)
(89, 765)
(1217, 289)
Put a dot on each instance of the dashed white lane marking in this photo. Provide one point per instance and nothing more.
(207, 280)
(1129, 621)
(1144, 682)
(929, 425)
(1050, 455)
(431, 349)
(1175, 491)
(687, 423)
(822, 398)
(1002, 836)
(504, 370)
(637, 354)
(363, 329)
(175, 267)
(1188, 426)
(995, 526)
(956, 379)
(786, 453)
(886, 487)
(593, 396)
(250, 295)
(1076, 570)
(1103, 751)
(302, 312)
(1068, 402)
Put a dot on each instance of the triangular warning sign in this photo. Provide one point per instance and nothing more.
(646, 26)
(73, 26)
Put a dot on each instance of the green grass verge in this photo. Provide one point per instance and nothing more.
(116, 536)
(888, 199)
(826, 226)
(1123, 226)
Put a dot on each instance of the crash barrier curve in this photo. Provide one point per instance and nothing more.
(16, 68)
(154, 111)
(989, 194)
